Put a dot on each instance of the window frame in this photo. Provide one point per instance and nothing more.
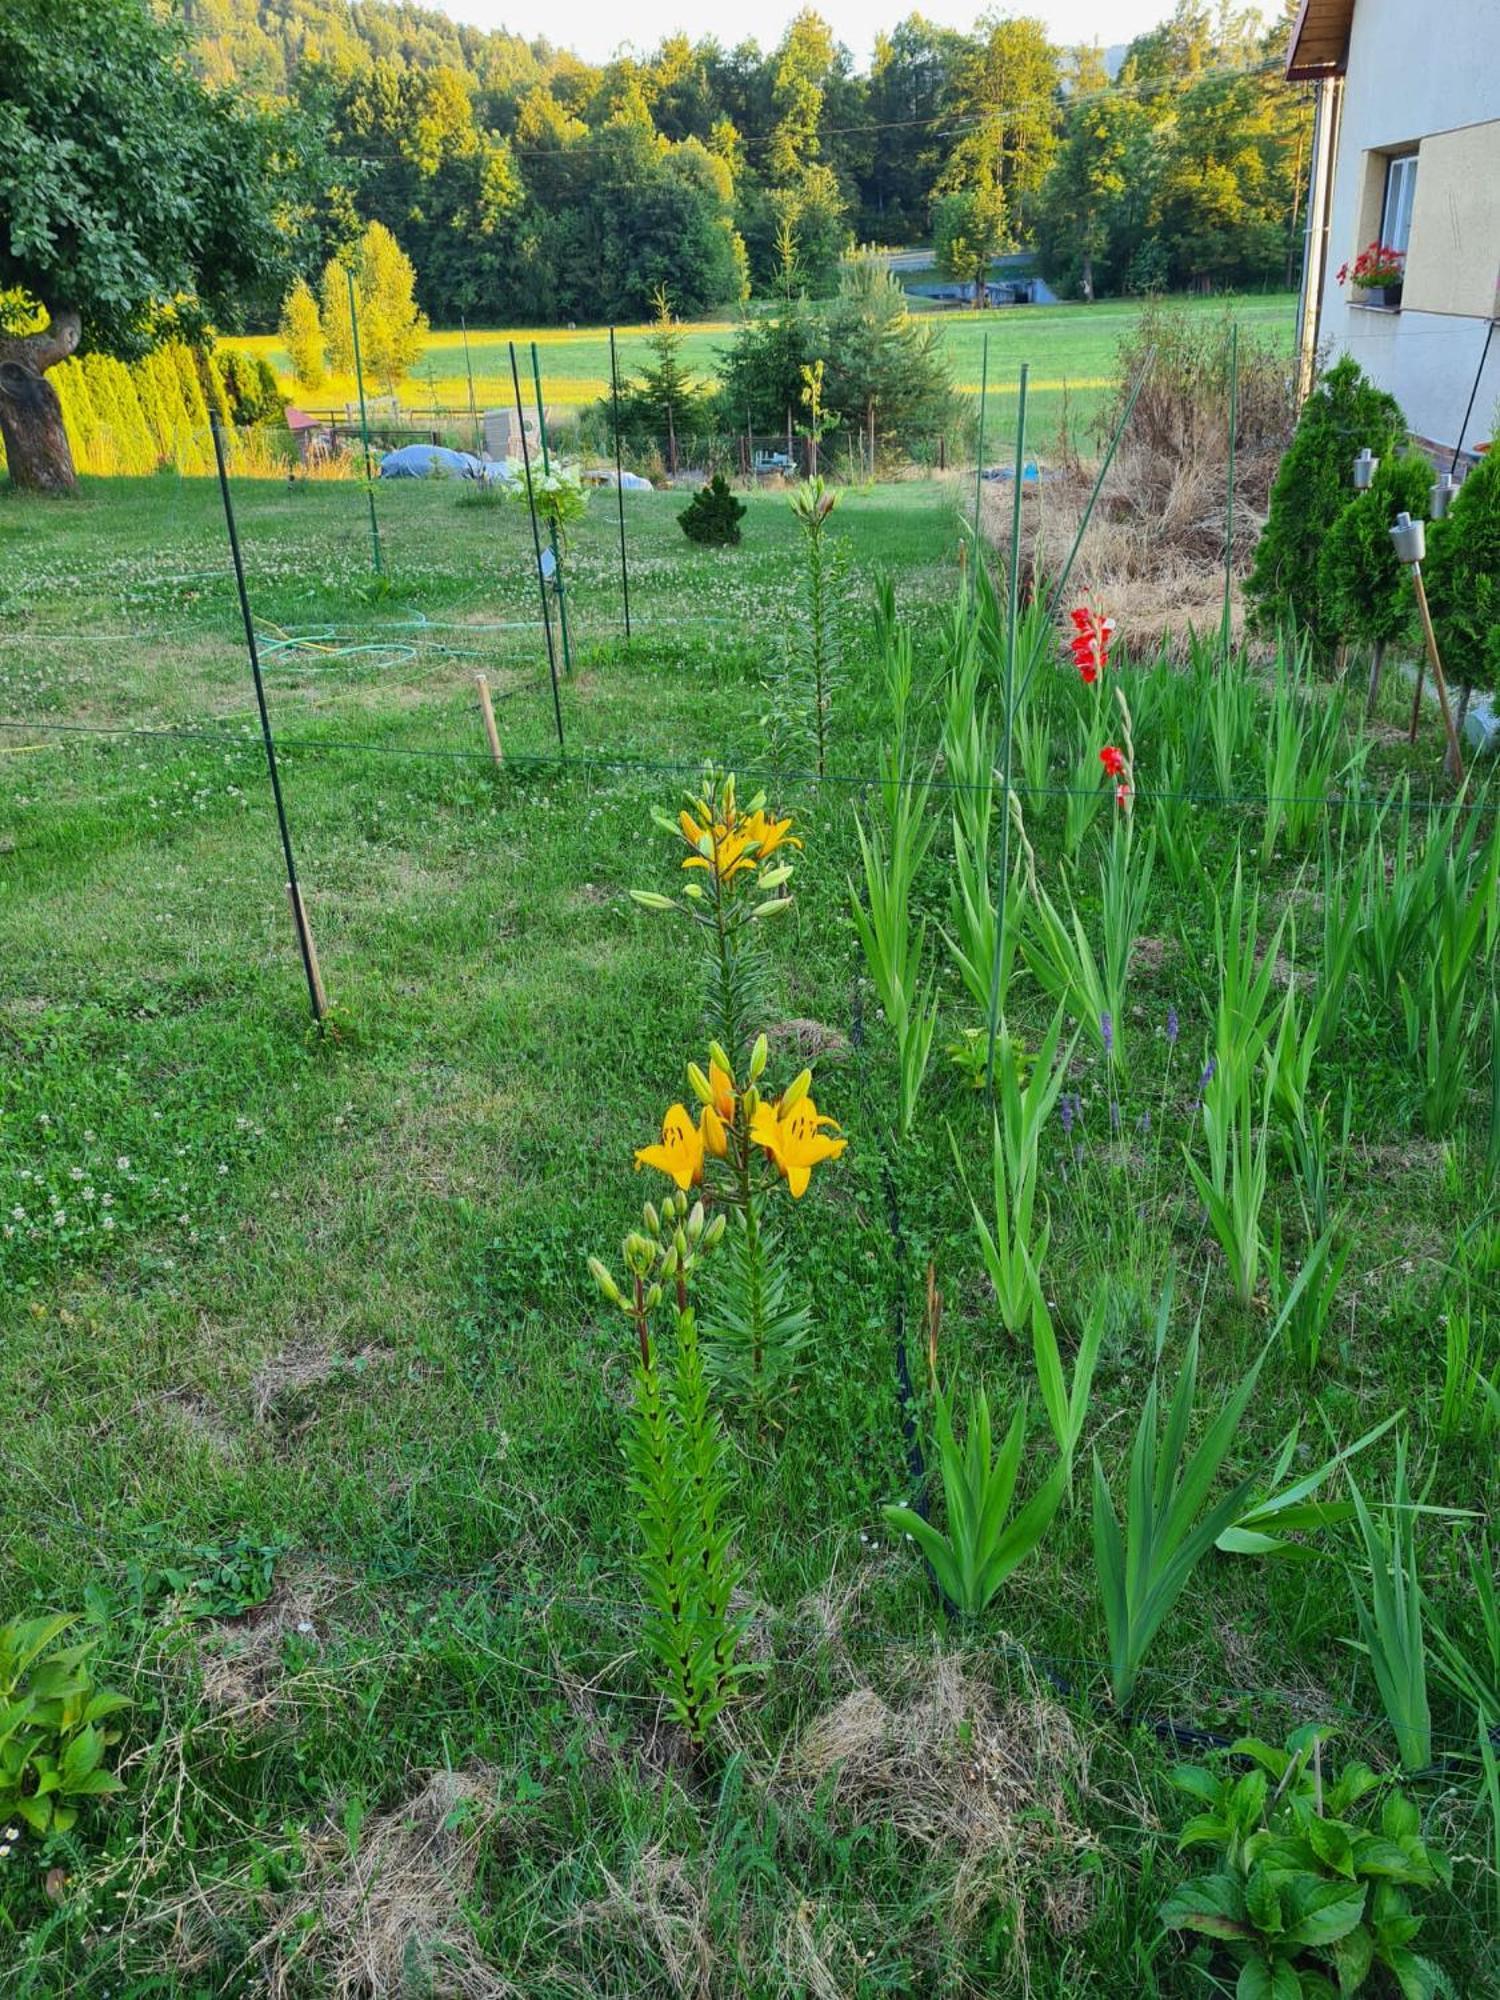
(1398, 192)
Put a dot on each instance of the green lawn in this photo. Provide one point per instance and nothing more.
(1069, 347)
(310, 1404)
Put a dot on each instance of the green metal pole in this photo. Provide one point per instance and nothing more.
(1234, 423)
(364, 423)
(1014, 615)
(562, 594)
(984, 378)
(614, 389)
(469, 371)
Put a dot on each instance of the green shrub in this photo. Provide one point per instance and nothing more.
(1366, 592)
(1345, 413)
(713, 515)
(1463, 578)
(250, 385)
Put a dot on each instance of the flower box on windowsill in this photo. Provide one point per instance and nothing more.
(1383, 298)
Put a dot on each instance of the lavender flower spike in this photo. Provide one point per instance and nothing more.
(1107, 1032)
(1065, 1112)
(1171, 1027)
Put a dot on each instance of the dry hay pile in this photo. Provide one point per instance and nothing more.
(1153, 554)
(986, 1779)
(388, 1917)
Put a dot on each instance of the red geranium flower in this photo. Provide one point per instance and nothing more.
(1112, 760)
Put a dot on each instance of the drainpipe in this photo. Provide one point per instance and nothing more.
(1326, 104)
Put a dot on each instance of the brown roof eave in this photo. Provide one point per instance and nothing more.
(1320, 40)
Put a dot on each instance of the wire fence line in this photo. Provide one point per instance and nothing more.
(771, 775)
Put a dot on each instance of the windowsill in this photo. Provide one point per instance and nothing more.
(1361, 305)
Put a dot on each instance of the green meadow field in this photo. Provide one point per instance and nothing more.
(1071, 349)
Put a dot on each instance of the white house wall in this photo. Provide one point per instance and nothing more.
(1427, 74)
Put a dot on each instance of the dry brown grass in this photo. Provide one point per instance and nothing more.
(387, 1918)
(1153, 555)
(988, 1780)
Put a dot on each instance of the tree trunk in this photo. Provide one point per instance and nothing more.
(1377, 661)
(1086, 280)
(36, 445)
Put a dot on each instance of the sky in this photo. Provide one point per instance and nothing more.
(596, 29)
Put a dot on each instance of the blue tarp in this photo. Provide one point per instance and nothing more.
(430, 461)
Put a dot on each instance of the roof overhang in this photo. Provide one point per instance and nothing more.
(1320, 40)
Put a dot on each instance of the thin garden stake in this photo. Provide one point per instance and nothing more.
(469, 371)
(364, 424)
(614, 388)
(536, 543)
(487, 713)
(984, 378)
(1103, 473)
(1014, 614)
(557, 572)
(294, 892)
(1234, 424)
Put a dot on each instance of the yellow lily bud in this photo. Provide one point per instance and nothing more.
(695, 1222)
(714, 1139)
(772, 909)
(669, 1262)
(772, 878)
(701, 1087)
(694, 891)
(717, 1055)
(639, 1254)
(652, 899)
(714, 1234)
(605, 1282)
(752, 1103)
(796, 1090)
(653, 1298)
(652, 1219)
(679, 1246)
(759, 1056)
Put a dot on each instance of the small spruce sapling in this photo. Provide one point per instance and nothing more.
(712, 517)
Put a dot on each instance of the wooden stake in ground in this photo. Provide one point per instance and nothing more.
(487, 710)
(1410, 540)
(310, 950)
(1453, 760)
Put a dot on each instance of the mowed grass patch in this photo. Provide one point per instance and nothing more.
(327, 1425)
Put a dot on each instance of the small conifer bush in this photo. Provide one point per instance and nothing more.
(713, 515)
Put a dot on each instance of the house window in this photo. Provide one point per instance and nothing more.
(1400, 193)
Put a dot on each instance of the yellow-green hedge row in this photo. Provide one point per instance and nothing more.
(137, 417)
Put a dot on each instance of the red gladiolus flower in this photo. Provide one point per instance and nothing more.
(1122, 797)
(1093, 633)
(1112, 760)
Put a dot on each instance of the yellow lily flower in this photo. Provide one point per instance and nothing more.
(769, 834)
(723, 852)
(680, 1152)
(793, 1136)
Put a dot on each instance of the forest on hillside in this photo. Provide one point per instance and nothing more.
(527, 184)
